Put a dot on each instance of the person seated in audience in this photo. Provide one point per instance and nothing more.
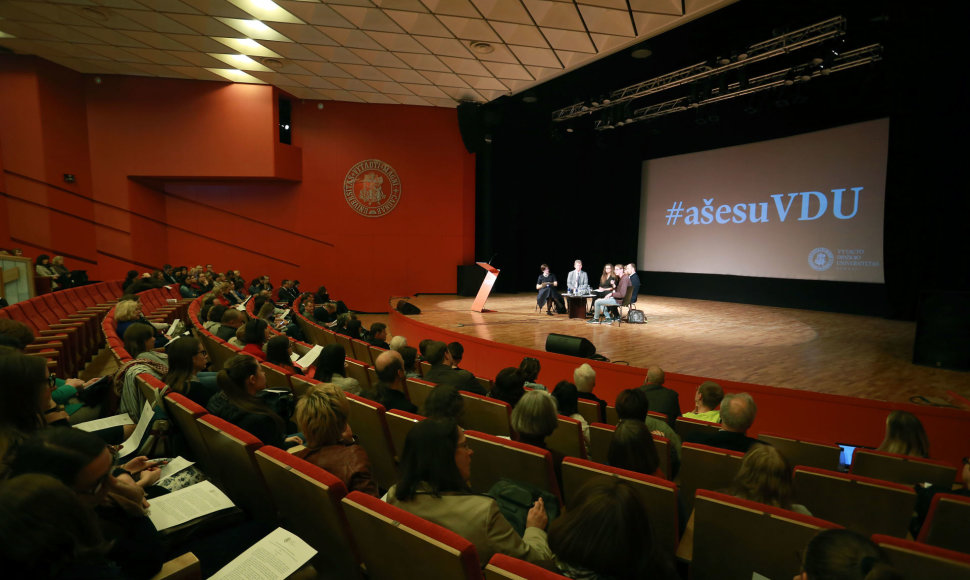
(584, 377)
(397, 342)
(442, 372)
(219, 291)
(845, 555)
(128, 312)
(534, 418)
(339, 324)
(435, 469)
(389, 390)
(190, 287)
(321, 415)
(24, 398)
(307, 305)
(633, 404)
(607, 535)
(766, 477)
(231, 320)
(260, 285)
(422, 349)
(662, 399)
(737, 414)
(509, 386)
(214, 318)
(457, 352)
(632, 448)
(331, 364)
(42, 267)
(279, 351)
(84, 463)
(567, 401)
(145, 282)
(48, 532)
(187, 361)
(410, 356)
(57, 266)
(378, 335)
(267, 312)
(325, 313)
(530, 367)
(237, 339)
(354, 328)
(288, 292)
(445, 402)
(130, 278)
(240, 382)
(707, 399)
(254, 337)
(139, 342)
(905, 436)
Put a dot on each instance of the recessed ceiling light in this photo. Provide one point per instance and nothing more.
(529, 99)
(482, 47)
(273, 63)
(641, 53)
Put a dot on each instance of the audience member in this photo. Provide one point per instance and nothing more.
(662, 399)
(509, 386)
(354, 328)
(331, 364)
(737, 414)
(435, 469)
(378, 335)
(457, 352)
(766, 477)
(214, 318)
(845, 555)
(633, 404)
(139, 341)
(128, 312)
(187, 360)
(632, 448)
(530, 367)
(441, 371)
(231, 320)
(240, 382)
(567, 401)
(410, 356)
(398, 342)
(904, 436)
(279, 351)
(707, 399)
(607, 535)
(288, 292)
(534, 418)
(321, 415)
(584, 377)
(254, 336)
(24, 396)
(389, 390)
(445, 402)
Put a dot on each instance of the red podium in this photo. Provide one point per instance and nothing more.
(491, 274)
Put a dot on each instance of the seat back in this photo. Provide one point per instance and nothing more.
(902, 468)
(276, 377)
(946, 523)
(502, 567)
(308, 499)
(219, 352)
(397, 545)
(145, 388)
(807, 453)
(600, 437)
(375, 351)
(868, 506)
(361, 351)
(916, 560)
(418, 391)
(344, 341)
(232, 451)
(684, 427)
(704, 467)
(368, 423)
(496, 458)
(301, 384)
(611, 416)
(358, 370)
(734, 538)
(487, 415)
(184, 412)
(658, 495)
(399, 423)
(567, 439)
(484, 383)
(590, 410)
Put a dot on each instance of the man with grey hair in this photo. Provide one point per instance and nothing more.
(737, 414)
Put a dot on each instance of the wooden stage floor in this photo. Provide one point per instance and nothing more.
(824, 352)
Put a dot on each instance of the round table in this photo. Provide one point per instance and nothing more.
(576, 304)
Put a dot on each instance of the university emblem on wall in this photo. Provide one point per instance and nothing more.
(372, 188)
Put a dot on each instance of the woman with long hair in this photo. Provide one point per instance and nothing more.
(321, 415)
(24, 396)
(187, 360)
(632, 448)
(240, 382)
(905, 436)
(567, 401)
(330, 368)
(254, 336)
(435, 469)
(278, 351)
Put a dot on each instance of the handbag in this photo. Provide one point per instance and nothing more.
(515, 499)
(636, 317)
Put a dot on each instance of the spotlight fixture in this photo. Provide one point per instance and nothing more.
(482, 47)
(641, 53)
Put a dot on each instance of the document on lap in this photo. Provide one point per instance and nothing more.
(187, 504)
(275, 557)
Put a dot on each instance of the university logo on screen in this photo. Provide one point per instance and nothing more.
(372, 188)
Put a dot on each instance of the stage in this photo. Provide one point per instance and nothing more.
(823, 352)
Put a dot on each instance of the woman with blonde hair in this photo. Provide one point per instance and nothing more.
(321, 415)
(905, 436)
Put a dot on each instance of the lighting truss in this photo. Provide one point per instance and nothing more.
(786, 76)
(801, 38)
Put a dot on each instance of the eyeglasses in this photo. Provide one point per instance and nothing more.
(97, 487)
(52, 381)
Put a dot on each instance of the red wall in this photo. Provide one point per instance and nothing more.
(189, 172)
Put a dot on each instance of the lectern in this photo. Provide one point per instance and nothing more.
(491, 274)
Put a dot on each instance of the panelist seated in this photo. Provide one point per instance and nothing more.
(546, 285)
(600, 306)
(577, 282)
(607, 283)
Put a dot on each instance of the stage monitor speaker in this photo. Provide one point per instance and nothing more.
(571, 345)
(470, 125)
(407, 308)
(943, 331)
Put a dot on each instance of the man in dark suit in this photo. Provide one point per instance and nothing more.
(389, 390)
(662, 399)
(378, 335)
(442, 372)
(737, 414)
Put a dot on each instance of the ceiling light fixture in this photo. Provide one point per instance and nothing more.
(641, 53)
(482, 47)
